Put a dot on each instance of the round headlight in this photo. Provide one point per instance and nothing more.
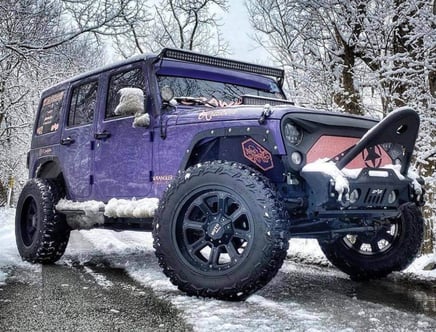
(292, 134)
(296, 158)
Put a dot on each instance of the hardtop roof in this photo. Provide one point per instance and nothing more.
(180, 55)
(99, 70)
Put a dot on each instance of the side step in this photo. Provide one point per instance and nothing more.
(117, 214)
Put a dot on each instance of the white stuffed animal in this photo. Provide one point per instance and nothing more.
(132, 103)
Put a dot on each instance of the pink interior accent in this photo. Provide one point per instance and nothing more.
(330, 146)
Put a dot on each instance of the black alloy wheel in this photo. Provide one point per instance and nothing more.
(220, 231)
(215, 230)
(29, 221)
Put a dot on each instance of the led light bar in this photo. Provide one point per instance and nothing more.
(257, 100)
(222, 63)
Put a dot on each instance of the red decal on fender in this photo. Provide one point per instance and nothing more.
(257, 154)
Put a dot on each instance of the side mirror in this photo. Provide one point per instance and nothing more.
(166, 93)
(132, 103)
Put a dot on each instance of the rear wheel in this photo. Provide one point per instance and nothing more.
(41, 232)
(220, 231)
(375, 255)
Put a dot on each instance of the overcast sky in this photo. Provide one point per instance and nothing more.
(236, 30)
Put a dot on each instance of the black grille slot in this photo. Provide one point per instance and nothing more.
(374, 196)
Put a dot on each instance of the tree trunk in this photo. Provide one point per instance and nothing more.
(349, 99)
(432, 74)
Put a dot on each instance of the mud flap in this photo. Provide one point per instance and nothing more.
(400, 127)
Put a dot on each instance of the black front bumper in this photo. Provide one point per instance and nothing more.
(375, 193)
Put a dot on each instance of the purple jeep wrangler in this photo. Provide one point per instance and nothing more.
(209, 155)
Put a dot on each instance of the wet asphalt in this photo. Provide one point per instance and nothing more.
(68, 298)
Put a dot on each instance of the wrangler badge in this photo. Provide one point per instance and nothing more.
(257, 154)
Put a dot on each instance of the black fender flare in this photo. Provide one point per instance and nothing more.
(257, 138)
(39, 169)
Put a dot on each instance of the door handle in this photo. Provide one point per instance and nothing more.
(67, 141)
(104, 134)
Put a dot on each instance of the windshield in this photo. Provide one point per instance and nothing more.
(218, 93)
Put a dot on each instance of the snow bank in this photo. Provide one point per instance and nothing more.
(257, 313)
(423, 267)
(307, 251)
(9, 255)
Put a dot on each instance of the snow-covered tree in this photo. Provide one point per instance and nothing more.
(355, 54)
(317, 41)
(187, 24)
(42, 42)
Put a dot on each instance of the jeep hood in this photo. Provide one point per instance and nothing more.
(189, 115)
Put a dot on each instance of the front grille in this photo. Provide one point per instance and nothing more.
(374, 196)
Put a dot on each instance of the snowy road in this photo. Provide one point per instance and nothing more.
(110, 281)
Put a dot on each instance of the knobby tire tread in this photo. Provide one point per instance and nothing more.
(276, 240)
(54, 232)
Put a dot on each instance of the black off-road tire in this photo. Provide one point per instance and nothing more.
(402, 248)
(41, 232)
(232, 212)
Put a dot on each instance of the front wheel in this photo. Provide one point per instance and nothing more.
(375, 255)
(41, 232)
(219, 231)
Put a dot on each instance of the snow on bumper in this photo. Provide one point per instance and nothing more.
(328, 168)
(367, 188)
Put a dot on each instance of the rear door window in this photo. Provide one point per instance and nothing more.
(83, 104)
(48, 121)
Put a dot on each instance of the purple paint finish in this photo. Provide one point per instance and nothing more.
(109, 158)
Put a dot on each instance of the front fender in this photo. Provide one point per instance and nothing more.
(253, 146)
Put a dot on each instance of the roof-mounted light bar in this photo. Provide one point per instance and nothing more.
(258, 100)
(222, 63)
